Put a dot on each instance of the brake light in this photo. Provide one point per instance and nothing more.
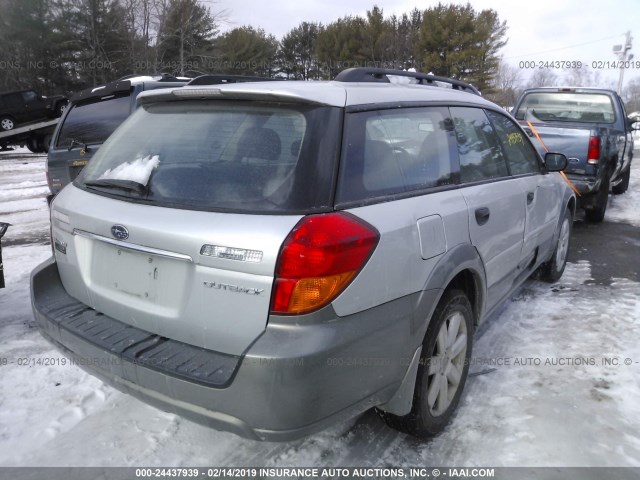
(318, 259)
(593, 154)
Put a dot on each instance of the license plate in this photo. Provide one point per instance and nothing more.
(131, 272)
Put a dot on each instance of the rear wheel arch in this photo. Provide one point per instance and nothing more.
(462, 268)
(468, 282)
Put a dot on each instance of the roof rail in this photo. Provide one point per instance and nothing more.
(219, 79)
(380, 75)
(120, 86)
(164, 77)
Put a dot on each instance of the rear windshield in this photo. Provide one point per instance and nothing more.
(245, 157)
(92, 123)
(567, 107)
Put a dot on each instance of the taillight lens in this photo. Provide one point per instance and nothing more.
(319, 258)
(593, 154)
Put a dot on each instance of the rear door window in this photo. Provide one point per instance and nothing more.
(92, 123)
(481, 157)
(30, 97)
(390, 152)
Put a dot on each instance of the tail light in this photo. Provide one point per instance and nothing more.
(593, 154)
(319, 258)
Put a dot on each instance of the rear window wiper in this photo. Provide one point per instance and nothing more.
(127, 185)
(77, 143)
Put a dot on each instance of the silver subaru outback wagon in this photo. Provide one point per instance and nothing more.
(268, 259)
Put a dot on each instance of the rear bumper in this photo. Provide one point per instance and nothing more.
(585, 184)
(295, 379)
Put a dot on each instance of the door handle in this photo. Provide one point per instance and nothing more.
(530, 197)
(482, 215)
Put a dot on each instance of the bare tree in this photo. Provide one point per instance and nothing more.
(506, 85)
(631, 95)
(578, 77)
(542, 77)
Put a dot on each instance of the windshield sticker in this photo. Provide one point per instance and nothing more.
(137, 171)
(515, 138)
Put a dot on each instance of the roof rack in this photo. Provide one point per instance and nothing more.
(380, 75)
(219, 79)
(164, 77)
(120, 86)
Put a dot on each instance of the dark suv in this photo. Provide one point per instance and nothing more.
(95, 113)
(25, 106)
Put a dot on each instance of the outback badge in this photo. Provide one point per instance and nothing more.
(120, 232)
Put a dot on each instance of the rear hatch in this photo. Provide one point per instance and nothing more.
(176, 224)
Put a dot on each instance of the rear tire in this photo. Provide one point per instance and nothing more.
(553, 269)
(622, 187)
(596, 214)
(44, 142)
(32, 145)
(443, 369)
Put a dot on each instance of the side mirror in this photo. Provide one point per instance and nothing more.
(555, 162)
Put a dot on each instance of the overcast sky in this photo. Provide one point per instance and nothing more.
(583, 30)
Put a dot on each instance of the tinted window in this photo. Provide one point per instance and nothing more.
(30, 96)
(93, 122)
(394, 151)
(230, 156)
(521, 155)
(480, 155)
(566, 107)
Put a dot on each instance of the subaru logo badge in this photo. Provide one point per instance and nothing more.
(120, 232)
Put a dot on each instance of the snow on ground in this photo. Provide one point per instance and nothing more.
(571, 412)
(23, 204)
(626, 208)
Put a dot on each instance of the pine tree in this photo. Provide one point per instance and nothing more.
(458, 42)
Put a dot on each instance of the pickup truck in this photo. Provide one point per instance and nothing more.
(588, 125)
